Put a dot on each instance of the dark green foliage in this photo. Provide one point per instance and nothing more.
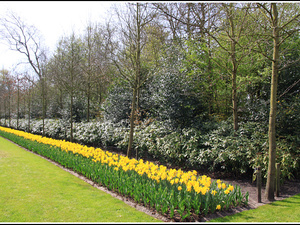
(167, 96)
(288, 120)
(78, 108)
(117, 104)
(174, 101)
(54, 110)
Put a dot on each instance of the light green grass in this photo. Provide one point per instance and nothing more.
(34, 190)
(287, 210)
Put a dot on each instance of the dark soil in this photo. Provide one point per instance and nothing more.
(288, 189)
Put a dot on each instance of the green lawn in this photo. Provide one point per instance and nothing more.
(287, 210)
(34, 190)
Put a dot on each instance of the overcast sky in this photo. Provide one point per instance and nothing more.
(53, 19)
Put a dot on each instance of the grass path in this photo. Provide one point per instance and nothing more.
(34, 190)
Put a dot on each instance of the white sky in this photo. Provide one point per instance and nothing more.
(53, 19)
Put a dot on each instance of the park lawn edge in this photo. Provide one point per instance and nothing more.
(34, 193)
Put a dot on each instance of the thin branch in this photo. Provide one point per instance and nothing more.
(289, 34)
(262, 6)
(290, 21)
(289, 88)
(288, 65)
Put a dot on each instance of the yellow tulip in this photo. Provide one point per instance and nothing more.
(213, 192)
(223, 185)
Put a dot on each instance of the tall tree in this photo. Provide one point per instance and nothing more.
(67, 60)
(28, 86)
(281, 22)
(18, 98)
(128, 59)
(7, 86)
(96, 64)
(230, 37)
(88, 66)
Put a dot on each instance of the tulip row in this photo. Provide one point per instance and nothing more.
(169, 191)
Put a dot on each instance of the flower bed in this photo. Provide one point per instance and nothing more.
(169, 191)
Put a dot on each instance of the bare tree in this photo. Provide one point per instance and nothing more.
(174, 14)
(7, 86)
(128, 58)
(105, 48)
(232, 38)
(96, 64)
(28, 91)
(66, 69)
(26, 39)
(89, 65)
(19, 80)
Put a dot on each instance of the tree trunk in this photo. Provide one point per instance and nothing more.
(234, 102)
(234, 71)
(29, 106)
(137, 82)
(18, 103)
(210, 80)
(71, 119)
(9, 111)
(5, 114)
(133, 106)
(88, 104)
(43, 104)
(29, 111)
(270, 188)
(189, 5)
(61, 99)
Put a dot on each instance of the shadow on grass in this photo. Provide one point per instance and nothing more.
(286, 210)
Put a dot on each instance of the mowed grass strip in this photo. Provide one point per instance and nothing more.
(287, 210)
(34, 190)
